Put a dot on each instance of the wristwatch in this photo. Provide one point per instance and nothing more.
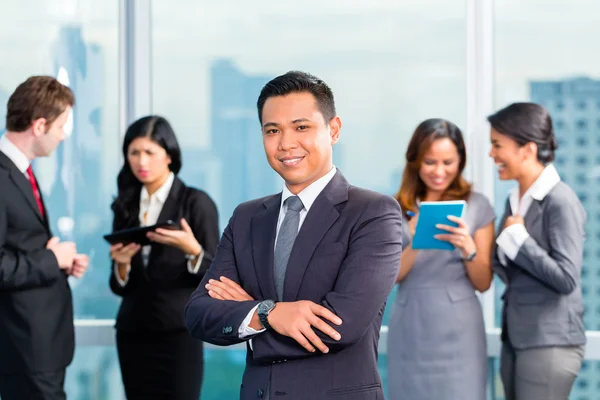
(264, 308)
(470, 256)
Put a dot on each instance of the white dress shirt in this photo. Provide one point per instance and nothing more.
(150, 208)
(512, 238)
(15, 155)
(308, 197)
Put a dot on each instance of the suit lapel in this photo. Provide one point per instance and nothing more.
(533, 215)
(321, 216)
(507, 213)
(263, 229)
(22, 183)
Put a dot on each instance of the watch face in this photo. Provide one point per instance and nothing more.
(266, 306)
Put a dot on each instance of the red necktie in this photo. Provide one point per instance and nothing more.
(36, 191)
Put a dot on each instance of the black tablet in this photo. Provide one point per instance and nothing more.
(137, 235)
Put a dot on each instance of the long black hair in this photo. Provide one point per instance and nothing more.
(524, 123)
(126, 205)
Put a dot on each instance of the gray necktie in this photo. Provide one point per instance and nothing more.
(285, 241)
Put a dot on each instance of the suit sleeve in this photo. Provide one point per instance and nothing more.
(23, 270)
(560, 267)
(205, 225)
(366, 278)
(116, 287)
(497, 266)
(217, 321)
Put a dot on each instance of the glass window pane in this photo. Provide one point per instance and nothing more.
(558, 69)
(79, 38)
(390, 65)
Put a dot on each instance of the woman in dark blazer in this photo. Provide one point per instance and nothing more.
(539, 255)
(158, 358)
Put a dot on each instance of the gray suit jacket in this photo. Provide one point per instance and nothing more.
(346, 257)
(542, 303)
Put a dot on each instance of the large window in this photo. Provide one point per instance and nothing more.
(558, 68)
(390, 65)
(76, 41)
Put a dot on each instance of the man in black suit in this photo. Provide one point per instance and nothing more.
(36, 311)
(303, 275)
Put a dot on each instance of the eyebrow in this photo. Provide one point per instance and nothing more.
(268, 124)
(296, 121)
(276, 125)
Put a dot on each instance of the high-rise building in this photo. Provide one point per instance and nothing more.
(237, 137)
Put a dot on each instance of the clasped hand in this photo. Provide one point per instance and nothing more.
(293, 319)
(67, 257)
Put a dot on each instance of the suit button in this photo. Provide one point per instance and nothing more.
(259, 393)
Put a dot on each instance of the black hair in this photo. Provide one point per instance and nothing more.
(126, 204)
(299, 82)
(525, 123)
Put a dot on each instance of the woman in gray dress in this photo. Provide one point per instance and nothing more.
(436, 340)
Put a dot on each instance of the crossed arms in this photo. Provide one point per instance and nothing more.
(365, 279)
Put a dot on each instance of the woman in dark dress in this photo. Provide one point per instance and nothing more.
(158, 358)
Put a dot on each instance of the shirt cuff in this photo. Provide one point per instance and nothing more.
(511, 239)
(194, 268)
(122, 282)
(244, 329)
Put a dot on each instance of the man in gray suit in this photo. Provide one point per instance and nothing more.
(303, 275)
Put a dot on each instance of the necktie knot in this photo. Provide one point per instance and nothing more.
(294, 203)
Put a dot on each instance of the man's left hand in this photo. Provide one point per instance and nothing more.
(80, 264)
(226, 289)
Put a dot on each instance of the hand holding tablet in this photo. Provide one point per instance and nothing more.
(436, 213)
(138, 235)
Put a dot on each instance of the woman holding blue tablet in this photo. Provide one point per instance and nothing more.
(539, 255)
(436, 339)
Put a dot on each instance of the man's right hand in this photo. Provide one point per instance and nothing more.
(63, 251)
(123, 254)
(297, 319)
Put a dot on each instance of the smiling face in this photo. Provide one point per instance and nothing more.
(510, 158)
(297, 139)
(440, 165)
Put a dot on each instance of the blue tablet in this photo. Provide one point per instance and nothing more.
(432, 213)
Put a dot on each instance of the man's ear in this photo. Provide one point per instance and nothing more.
(335, 126)
(38, 127)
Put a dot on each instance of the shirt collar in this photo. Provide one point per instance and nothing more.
(312, 191)
(541, 187)
(14, 154)
(162, 193)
